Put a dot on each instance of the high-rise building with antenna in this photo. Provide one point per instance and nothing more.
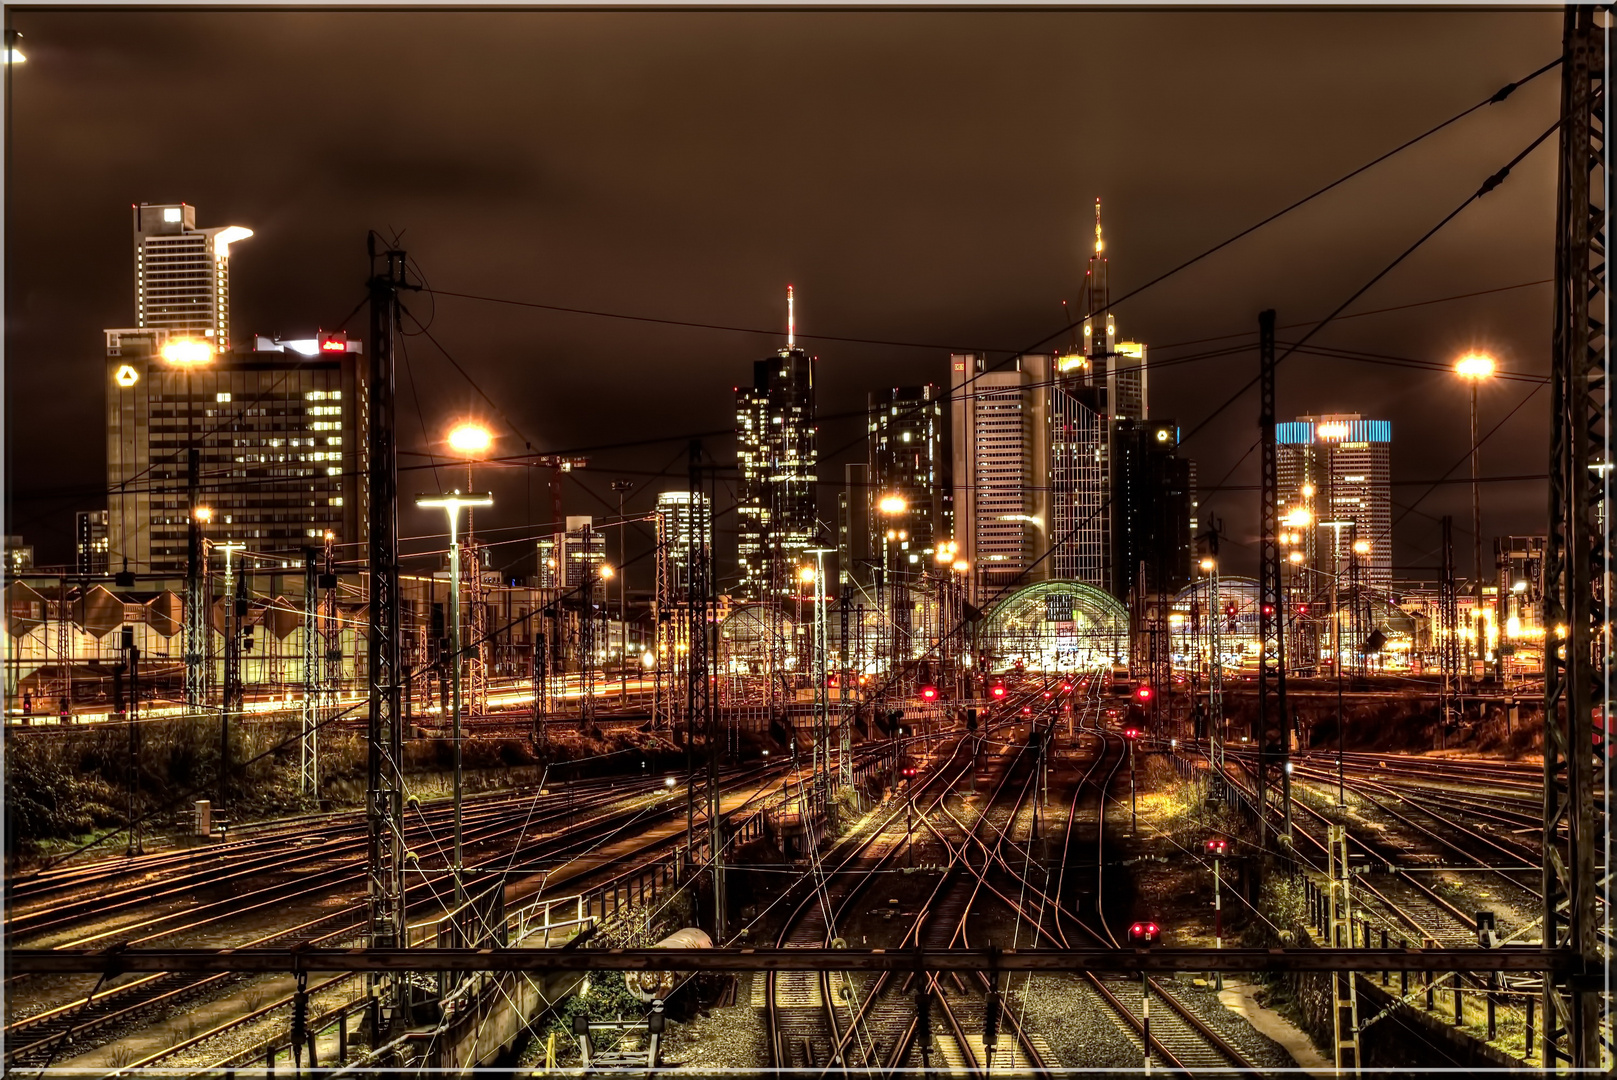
(778, 459)
(1034, 446)
(182, 273)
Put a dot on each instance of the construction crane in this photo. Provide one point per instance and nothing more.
(557, 464)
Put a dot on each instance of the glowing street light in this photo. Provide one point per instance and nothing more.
(1361, 547)
(961, 566)
(1475, 367)
(1207, 564)
(204, 514)
(606, 571)
(470, 440)
(892, 504)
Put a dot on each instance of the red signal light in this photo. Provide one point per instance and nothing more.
(1027, 710)
(1142, 693)
(929, 693)
(999, 691)
(1144, 933)
(1218, 847)
(1131, 733)
(1066, 688)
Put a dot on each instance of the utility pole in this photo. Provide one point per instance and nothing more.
(1274, 735)
(622, 487)
(132, 716)
(385, 730)
(1578, 567)
(231, 699)
(308, 743)
(1448, 645)
(1215, 665)
(196, 577)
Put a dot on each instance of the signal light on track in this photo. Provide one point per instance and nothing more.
(910, 771)
(1144, 933)
(1131, 733)
(929, 693)
(999, 691)
(1142, 693)
(1218, 847)
(1027, 710)
(1066, 688)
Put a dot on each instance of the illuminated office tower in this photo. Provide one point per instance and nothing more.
(777, 456)
(90, 542)
(182, 273)
(684, 516)
(992, 436)
(907, 463)
(280, 433)
(1335, 474)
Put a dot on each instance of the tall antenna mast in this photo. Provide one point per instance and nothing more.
(791, 320)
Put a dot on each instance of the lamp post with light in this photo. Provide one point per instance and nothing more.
(186, 355)
(472, 441)
(451, 503)
(1475, 367)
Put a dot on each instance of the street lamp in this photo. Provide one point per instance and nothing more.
(186, 355)
(451, 504)
(1475, 367)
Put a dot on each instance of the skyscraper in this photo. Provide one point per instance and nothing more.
(1152, 508)
(992, 435)
(1335, 474)
(1034, 445)
(684, 514)
(777, 455)
(182, 273)
(280, 434)
(908, 463)
(90, 542)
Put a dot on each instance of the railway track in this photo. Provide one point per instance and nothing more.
(40, 1038)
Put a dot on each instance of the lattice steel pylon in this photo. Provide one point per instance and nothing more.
(1577, 563)
(198, 594)
(477, 626)
(1274, 736)
(1448, 622)
(1344, 984)
(385, 729)
(309, 740)
(330, 628)
(665, 618)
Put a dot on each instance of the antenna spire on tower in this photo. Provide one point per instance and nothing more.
(791, 320)
(1099, 243)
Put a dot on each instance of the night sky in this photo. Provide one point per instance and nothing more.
(922, 177)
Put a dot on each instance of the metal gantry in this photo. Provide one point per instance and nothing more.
(1577, 567)
(385, 729)
(1274, 735)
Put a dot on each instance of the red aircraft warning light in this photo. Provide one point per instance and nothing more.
(929, 693)
(999, 690)
(1144, 933)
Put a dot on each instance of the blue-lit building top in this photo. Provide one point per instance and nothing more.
(1340, 431)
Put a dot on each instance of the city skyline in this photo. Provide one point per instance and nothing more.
(1055, 238)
